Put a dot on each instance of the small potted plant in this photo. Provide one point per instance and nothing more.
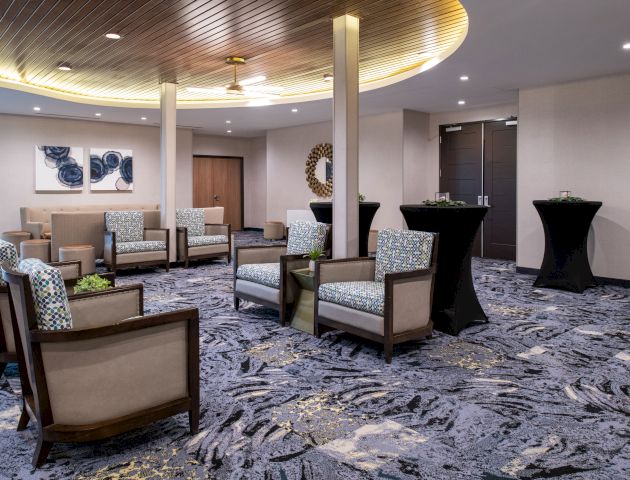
(92, 283)
(314, 255)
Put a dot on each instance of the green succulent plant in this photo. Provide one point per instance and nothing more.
(444, 203)
(92, 283)
(314, 254)
(569, 199)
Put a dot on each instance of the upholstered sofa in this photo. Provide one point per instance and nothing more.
(129, 244)
(37, 220)
(262, 273)
(198, 239)
(75, 356)
(386, 299)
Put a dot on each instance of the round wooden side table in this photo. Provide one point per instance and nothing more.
(36, 248)
(15, 237)
(79, 251)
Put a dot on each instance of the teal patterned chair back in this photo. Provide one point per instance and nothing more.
(129, 226)
(8, 255)
(306, 236)
(49, 295)
(193, 219)
(402, 251)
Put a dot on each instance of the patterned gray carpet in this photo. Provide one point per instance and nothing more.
(542, 391)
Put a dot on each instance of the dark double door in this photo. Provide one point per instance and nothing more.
(478, 166)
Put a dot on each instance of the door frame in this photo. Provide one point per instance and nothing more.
(483, 160)
(240, 159)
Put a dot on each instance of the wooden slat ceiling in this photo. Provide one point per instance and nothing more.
(186, 41)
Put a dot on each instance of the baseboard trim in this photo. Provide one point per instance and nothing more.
(618, 282)
(252, 229)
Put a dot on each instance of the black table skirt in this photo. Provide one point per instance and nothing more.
(324, 213)
(455, 302)
(565, 263)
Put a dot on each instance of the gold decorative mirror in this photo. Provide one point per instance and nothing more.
(319, 170)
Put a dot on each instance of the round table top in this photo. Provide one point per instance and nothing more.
(36, 241)
(17, 232)
(419, 206)
(76, 246)
(552, 202)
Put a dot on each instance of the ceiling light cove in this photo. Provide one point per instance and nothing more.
(264, 69)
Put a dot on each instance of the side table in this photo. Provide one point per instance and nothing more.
(303, 310)
(82, 252)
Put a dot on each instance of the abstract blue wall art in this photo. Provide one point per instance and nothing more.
(58, 169)
(111, 170)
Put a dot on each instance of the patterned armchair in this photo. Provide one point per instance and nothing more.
(129, 244)
(70, 273)
(262, 273)
(197, 240)
(386, 299)
(74, 356)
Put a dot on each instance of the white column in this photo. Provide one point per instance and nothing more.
(168, 159)
(346, 137)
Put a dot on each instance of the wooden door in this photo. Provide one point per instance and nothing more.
(461, 160)
(217, 182)
(499, 226)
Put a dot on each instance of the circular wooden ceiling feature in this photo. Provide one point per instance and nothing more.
(288, 44)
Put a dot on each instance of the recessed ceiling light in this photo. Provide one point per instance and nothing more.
(461, 102)
(328, 77)
(113, 36)
(64, 67)
(229, 131)
(228, 121)
(97, 114)
(143, 118)
(37, 109)
(626, 46)
(464, 78)
(294, 110)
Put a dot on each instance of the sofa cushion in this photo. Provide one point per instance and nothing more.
(203, 240)
(305, 237)
(402, 251)
(49, 295)
(262, 273)
(8, 254)
(143, 246)
(129, 226)
(193, 219)
(365, 296)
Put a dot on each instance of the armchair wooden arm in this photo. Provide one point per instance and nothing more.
(344, 270)
(106, 307)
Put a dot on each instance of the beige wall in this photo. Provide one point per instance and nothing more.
(253, 151)
(576, 137)
(415, 156)
(380, 166)
(20, 134)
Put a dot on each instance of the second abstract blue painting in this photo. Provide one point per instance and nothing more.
(111, 170)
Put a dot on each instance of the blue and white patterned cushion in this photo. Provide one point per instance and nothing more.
(305, 237)
(49, 294)
(8, 254)
(263, 273)
(402, 251)
(193, 219)
(143, 246)
(129, 226)
(204, 240)
(365, 296)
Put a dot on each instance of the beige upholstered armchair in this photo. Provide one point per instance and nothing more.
(197, 239)
(262, 274)
(386, 299)
(129, 244)
(75, 356)
(70, 273)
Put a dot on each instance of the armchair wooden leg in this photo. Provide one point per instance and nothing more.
(193, 420)
(24, 419)
(186, 264)
(237, 303)
(388, 352)
(41, 452)
(317, 331)
(2, 367)
(167, 266)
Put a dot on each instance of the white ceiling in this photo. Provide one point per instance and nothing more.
(511, 44)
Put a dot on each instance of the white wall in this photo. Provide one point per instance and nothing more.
(576, 137)
(416, 156)
(253, 151)
(380, 166)
(20, 134)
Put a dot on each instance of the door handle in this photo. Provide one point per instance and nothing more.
(216, 197)
(486, 201)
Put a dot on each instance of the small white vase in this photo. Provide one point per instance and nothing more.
(311, 265)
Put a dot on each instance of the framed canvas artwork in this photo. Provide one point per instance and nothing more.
(58, 169)
(111, 170)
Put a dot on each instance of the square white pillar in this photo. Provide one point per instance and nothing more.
(346, 137)
(168, 160)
